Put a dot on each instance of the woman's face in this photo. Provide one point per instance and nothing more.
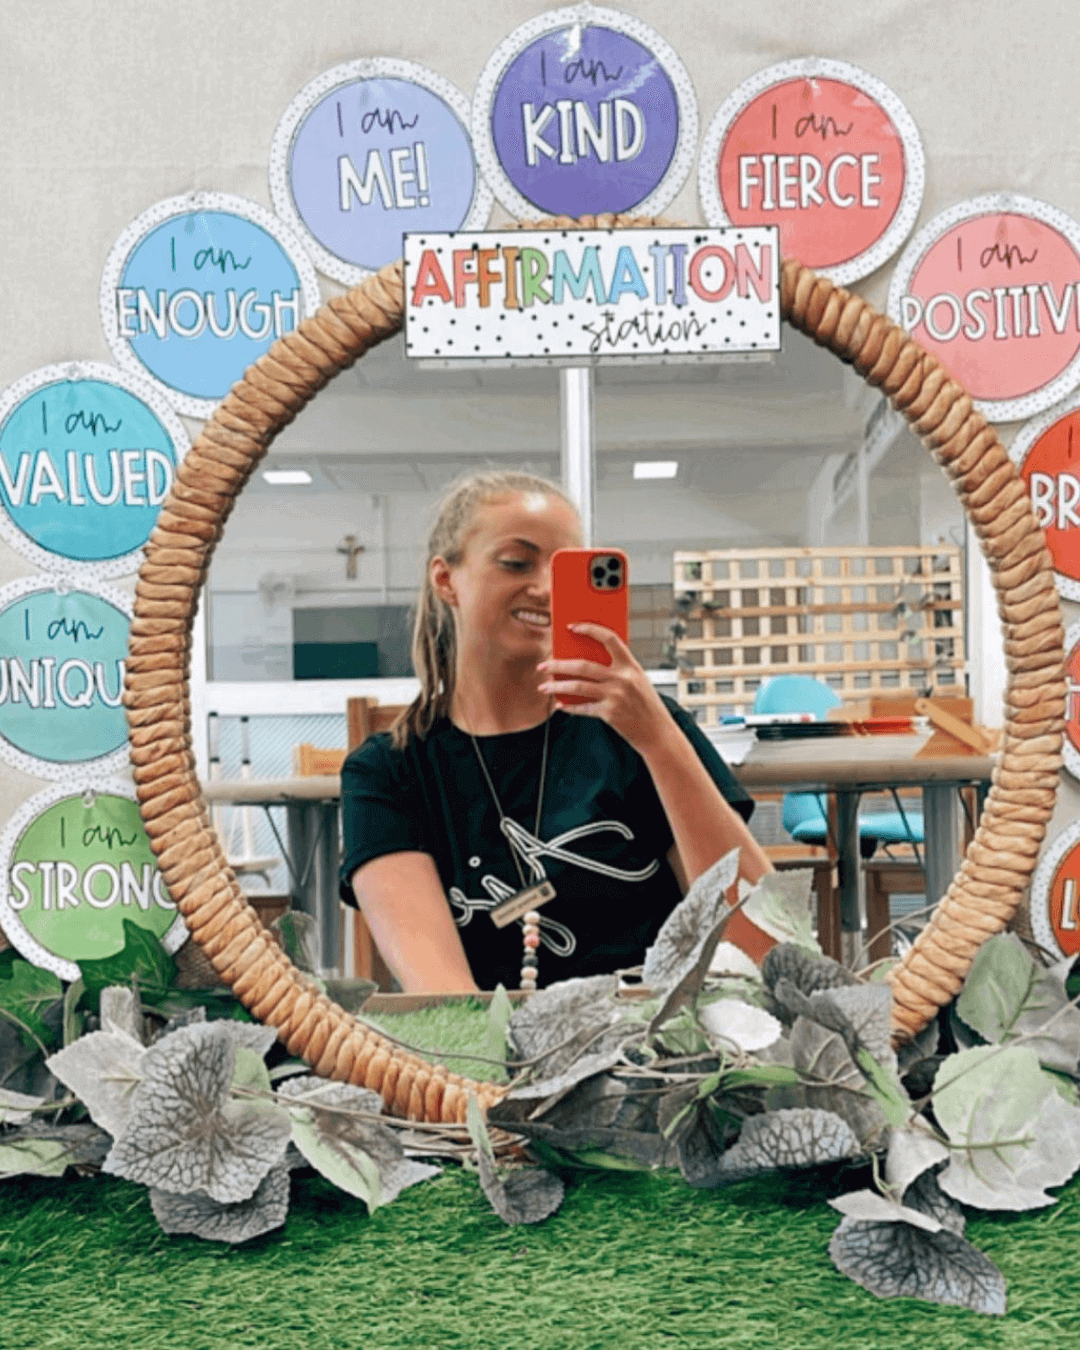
(500, 591)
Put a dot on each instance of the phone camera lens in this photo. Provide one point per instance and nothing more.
(598, 575)
(613, 582)
(613, 565)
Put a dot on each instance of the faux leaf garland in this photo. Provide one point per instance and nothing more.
(722, 1071)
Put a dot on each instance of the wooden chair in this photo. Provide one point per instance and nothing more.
(885, 877)
(311, 761)
(365, 717)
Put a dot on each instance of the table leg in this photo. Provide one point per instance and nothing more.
(313, 848)
(942, 815)
(848, 866)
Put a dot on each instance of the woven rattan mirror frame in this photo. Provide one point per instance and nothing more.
(986, 891)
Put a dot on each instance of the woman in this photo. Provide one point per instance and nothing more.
(485, 788)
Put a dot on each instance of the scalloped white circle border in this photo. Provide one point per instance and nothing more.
(813, 67)
(116, 761)
(993, 203)
(682, 161)
(78, 571)
(1070, 754)
(132, 235)
(14, 929)
(1041, 883)
(1023, 443)
(375, 67)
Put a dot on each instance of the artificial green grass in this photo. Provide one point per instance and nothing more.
(630, 1261)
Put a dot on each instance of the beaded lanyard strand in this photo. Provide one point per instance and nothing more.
(530, 961)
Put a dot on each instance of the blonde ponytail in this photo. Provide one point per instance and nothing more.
(434, 640)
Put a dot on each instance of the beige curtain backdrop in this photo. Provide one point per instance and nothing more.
(107, 106)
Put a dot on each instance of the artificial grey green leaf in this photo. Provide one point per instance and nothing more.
(796, 1138)
(239, 1221)
(566, 1020)
(299, 936)
(47, 1149)
(895, 1260)
(121, 1010)
(688, 1119)
(681, 939)
(1007, 995)
(830, 1081)
(926, 1195)
(1010, 1134)
(361, 1156)
(520, 1194)
(780, 906)
(868, 1011)
(496, 1027)
(601, 1112)
(859, 1013)
(804, 970)
(538, 1095)
(731, 1022)
(911, 1152)
(250, 1072)
(886, 1089)
(16, 1108)
(517, 1194)
(921, 1047)
(872, 1207)
(103, 1069)
(185, 1133)
(33, 1157)
(250, 1036)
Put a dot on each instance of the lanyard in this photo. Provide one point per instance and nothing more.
(498, 804)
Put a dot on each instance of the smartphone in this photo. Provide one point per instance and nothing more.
(588, 585)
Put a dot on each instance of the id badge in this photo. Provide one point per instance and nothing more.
(519, 904)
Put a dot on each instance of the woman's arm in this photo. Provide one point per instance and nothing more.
(402, 900)
(703, 825)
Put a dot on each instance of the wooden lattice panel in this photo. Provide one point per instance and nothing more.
(860, 619)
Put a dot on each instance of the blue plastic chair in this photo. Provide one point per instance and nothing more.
(803, 813)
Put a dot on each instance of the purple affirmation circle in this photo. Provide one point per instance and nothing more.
(374, 158)
(585, 120)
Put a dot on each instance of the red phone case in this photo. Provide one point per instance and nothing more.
(574, 599)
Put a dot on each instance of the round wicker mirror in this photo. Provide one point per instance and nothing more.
(982, 898)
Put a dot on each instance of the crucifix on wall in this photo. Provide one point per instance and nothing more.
(352, 551)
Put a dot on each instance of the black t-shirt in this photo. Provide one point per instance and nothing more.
(602, 839)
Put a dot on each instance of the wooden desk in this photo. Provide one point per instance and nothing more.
(848, 766)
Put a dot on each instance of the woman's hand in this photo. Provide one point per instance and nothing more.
(620, 694)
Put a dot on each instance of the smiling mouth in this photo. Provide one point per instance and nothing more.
(533, 618)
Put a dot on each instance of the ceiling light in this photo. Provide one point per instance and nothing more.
(656, 468)
(286, 477)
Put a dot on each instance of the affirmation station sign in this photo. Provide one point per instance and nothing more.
(580, 295)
